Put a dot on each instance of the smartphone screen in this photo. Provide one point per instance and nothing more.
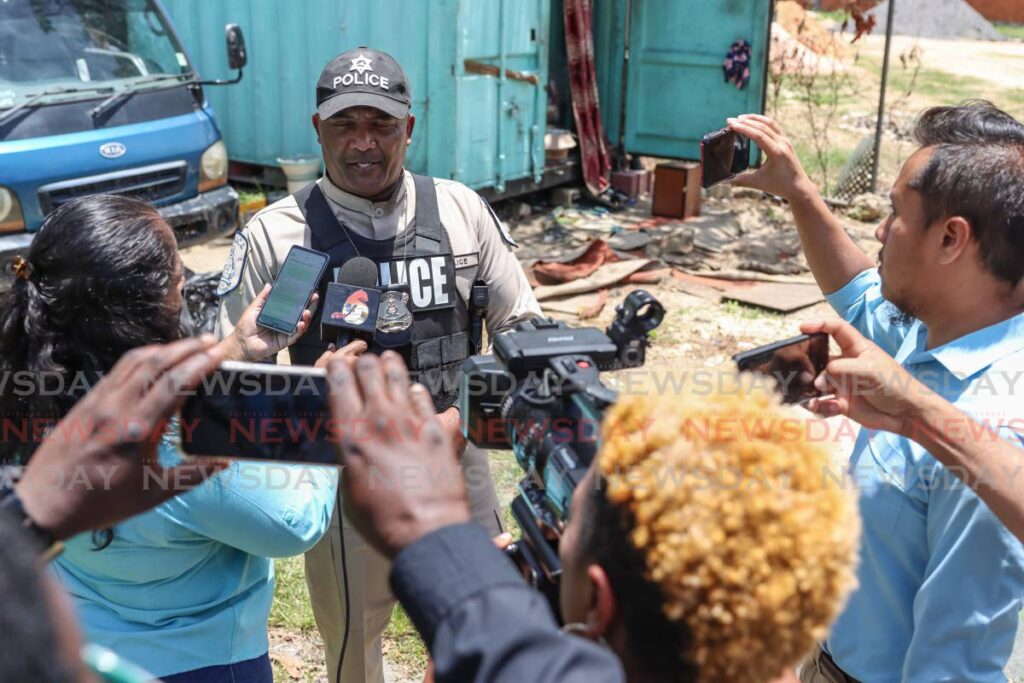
(256, 411)
(292, 289)
(793, 363)
(723, 155)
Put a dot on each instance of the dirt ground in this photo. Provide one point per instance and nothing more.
(923, 73)
(999, 63)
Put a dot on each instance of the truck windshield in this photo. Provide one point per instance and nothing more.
(61, 47)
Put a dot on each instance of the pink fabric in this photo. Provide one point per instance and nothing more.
(579, 40)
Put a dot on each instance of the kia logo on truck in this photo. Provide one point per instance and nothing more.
(112, 150)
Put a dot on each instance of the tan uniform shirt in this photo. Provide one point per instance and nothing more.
(480, 251)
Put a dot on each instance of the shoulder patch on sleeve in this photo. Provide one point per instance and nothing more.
(502, 230)
(467, 260)
(231, 276)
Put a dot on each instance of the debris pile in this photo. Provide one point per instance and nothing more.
(573, 256)
(935, 19)
(801, 45)
(805, 28)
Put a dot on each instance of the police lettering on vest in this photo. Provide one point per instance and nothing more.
(431, 280)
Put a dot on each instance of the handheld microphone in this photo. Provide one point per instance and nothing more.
(351, 303)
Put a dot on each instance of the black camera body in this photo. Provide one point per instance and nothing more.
(540, 395)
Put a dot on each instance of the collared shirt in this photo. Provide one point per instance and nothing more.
(941, 580)
(482, 622)
(189, 583)
(373, 220)
(479, 248)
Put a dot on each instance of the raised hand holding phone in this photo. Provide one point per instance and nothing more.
(251, 342)
(298, 279)
(781, 174)
(723, 155)
(794, 364)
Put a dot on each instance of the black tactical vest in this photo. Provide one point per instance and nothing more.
(422, 257)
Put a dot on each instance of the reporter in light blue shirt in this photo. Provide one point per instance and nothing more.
(184, 590)
(188, 585)
(941, 579)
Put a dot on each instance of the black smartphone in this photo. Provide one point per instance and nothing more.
(794, 363)
(724, 154)
(299, 277)
(256, 411)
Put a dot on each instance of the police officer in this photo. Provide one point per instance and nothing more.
(432, 238)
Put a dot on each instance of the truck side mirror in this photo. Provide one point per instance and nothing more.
(237, 56)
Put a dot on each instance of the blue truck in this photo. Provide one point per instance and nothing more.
(98, 96)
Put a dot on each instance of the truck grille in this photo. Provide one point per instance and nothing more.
(147, 183)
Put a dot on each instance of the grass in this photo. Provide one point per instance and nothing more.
(744, 312)
(402, 644)
(1011, 31)
(836, 158)
(248, 195)
(663, 337)
(835, 15)
(291, 610)
(506, 473)
(932, 87)
(941, 86)
(291, 607)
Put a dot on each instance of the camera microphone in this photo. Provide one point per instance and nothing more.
(351, 303)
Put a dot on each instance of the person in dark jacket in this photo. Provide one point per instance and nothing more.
(688, 555)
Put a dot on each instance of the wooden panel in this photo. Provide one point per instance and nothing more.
(777, 296)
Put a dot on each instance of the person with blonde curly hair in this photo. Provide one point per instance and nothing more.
(709, 541)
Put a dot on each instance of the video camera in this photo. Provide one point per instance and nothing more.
(540, 394)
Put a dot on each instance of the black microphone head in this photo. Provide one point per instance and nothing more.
(358, 271)
(349, 309)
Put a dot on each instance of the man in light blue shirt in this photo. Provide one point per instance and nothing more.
(941, 579)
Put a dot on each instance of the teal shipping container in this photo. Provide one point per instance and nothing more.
(658, 64)
(480, 129)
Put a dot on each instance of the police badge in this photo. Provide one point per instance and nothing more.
(393, 314)
(394, 320)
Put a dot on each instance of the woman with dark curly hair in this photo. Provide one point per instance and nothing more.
(183, 590)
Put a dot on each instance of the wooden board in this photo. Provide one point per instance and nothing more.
(776, 296)
(605, 276)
